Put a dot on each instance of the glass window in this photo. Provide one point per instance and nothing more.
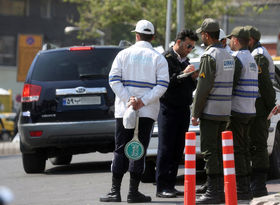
(7, 50)
(46, 8)
(14, 7)
(74, 65)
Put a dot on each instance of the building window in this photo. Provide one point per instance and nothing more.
(7, 50)
(14, 7)
(46, 6)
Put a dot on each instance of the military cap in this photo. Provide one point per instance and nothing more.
(254, 32)
(209, 25)
(240, 32)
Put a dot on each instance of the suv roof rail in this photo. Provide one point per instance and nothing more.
(124, 43)
(48, 46)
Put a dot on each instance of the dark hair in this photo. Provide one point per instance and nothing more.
(186, 33)
(214, 35)
(243, 42)
(146, 37)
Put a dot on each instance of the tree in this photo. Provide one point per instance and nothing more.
(117, 17)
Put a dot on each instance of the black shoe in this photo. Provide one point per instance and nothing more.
(215, 191)
(258, 184)
(243, 188)
(178, 193)
(210, 199)
(134, 196)
(244, 196)
(137, 197)
(202, 189)
(111, 197)
(114, 195)
(260, 193)
(166, 193)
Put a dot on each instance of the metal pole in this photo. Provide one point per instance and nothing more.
(168, 23)
(278, 44)
(180, 15)
(225, 24)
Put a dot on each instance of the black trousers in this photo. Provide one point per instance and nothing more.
(121, 164)
(173, 123)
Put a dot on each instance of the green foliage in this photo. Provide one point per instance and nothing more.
(259, 9)
(116, 18)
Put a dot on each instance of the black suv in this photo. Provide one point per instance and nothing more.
(67, 106)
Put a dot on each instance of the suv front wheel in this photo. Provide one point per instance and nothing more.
(274, 170)
(34, 163)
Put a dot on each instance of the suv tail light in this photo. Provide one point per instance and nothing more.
(37, 133)
(31, 93)
(81, 48)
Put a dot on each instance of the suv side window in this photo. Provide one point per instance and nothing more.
(62, 65)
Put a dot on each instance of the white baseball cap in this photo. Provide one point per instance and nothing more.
(222, 35)
(145, 27)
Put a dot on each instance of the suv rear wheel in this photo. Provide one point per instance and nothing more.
(274, 169)
(61, 160)
(34, 163)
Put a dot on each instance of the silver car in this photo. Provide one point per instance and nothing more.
(273, 141)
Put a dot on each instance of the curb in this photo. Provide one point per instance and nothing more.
(9, 148)
(267, 200)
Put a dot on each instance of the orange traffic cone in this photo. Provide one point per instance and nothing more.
(190, 172)
(229, 169)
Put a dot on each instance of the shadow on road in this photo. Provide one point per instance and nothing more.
(165, 202)
(80, 168)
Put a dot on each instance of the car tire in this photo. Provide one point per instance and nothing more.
(61, 160)
(274, 158)
(34, 163)
(149, 175)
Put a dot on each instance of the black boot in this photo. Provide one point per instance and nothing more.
(114, 195)
(202, 189)
(258, 184)
(243, 188)
(215, 191)
(134, 196)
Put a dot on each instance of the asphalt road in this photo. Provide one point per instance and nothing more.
(81, 183)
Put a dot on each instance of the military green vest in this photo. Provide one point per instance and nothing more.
(218, 103)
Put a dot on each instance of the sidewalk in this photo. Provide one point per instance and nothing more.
(9, 148)
(273, 199)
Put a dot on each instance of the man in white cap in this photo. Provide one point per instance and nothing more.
(139, 77)
(223, 40)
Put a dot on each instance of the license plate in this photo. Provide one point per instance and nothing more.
(93, 100)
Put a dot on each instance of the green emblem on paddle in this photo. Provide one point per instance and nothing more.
(134, 150)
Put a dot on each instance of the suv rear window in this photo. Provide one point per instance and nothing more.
(74, 65)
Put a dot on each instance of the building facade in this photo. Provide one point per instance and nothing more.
(267, 22)
(47, 18)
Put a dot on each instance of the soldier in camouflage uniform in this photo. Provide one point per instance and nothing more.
(264, 104)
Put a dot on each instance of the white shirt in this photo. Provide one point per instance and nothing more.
(142, 72)
(181, 60)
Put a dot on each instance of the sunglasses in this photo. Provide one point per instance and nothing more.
(190, 46)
